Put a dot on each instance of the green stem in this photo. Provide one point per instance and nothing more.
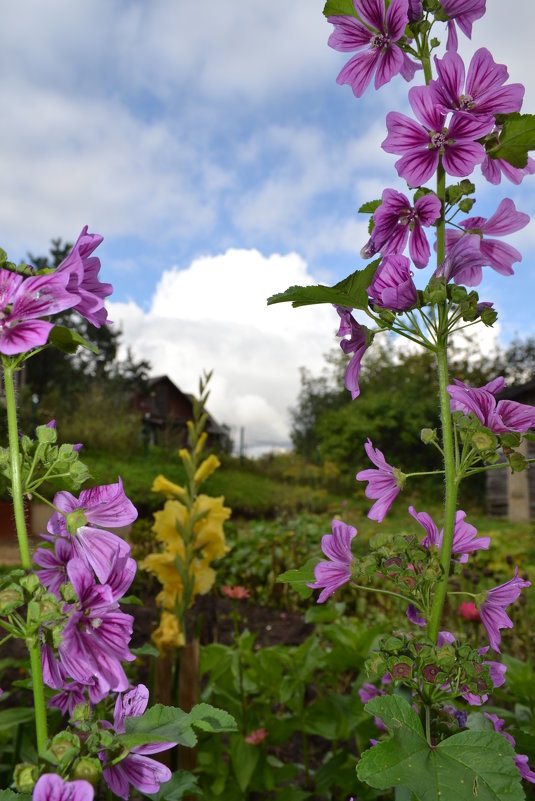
(441, 225)
(383, 592)
(22, 536)
(451, 490)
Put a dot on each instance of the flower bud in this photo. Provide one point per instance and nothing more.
(88, 768)
(26, 775)
(428, 435)
(65, 747)
(10, 599)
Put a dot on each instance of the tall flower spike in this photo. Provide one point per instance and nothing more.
(384, 483)
(377, 38)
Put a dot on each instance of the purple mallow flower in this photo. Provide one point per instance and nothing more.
(463, 262)
(377, 39)
(392, 287)
(465, 539)
(356, 344)
(521, 760)
(136, 768)
(96, 636)
(336, 572)
(23, 301)
(396, 221)
(414, 615)
(384, 482)
(463, 13)
(102, 506)
(492, 170)
(483, 93)
(422, 143)
(497, 676)
(498, 416)
(51, 787)
(498, 255)
(82, 269)
(492, 610)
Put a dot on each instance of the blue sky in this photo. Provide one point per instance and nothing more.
(211, 147)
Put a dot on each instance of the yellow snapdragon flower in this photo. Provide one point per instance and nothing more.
(168, 634)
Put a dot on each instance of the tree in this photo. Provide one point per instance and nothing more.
(73, 387)
(398, 393)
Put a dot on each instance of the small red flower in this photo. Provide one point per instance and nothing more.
(237, 593)
(469, 611)
(256, 737)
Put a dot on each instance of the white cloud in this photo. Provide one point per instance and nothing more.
(213, 315)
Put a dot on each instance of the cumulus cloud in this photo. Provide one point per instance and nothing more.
(213, 315)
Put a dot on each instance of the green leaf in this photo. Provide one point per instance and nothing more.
(244, 758)
(336, 8)
(351, 292)
(170, 724)
(516, 138)
(9, 795)
(179, 784)
(299, 579)
(209, 718)
(68, 341)
(370, 206)
(132, 599)
(470, 765)
(9, 718)
(145, 650)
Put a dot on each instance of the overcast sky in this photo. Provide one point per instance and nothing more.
(211, 147)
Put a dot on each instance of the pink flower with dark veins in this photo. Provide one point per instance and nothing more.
(376, 35)
(422, 143)
(465, 539)
(82, 269)
(357, 344)
(392, 287)
(396, 221)
(384, 482)
(463, 13)
(492, 610)
(498, 255)
(333, 574)
(483, 93)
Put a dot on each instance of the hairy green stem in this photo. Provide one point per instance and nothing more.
(451, 492)
(22, 536)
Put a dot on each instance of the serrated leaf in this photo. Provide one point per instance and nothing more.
(337, 8)
(469, 765)
(350, 293)
(370, 206)
(169, 724)
(300, 578)
(159, 724)
(209, 718)
(68, 341)
(515, 140)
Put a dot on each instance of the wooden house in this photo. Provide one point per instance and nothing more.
(165, 411)
(513, 494)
